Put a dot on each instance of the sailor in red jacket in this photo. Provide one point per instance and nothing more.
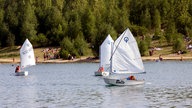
(17, 69)
(101, 69)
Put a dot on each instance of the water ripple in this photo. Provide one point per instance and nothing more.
(168, 85)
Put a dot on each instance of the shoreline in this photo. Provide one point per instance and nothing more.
(165, 58)
(82, 59)
(93, 60)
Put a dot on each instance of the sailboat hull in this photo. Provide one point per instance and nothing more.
(122, 82)
(97, 73)
(23, 73)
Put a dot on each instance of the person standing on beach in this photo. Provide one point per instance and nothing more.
(13, 60)
(181, 58)
(160, 58)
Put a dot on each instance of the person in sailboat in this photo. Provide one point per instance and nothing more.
(131, 78)
(17, 69)
(101, 69)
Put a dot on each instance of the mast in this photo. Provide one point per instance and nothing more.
(100, 56)
(117, 45)
(111, 57)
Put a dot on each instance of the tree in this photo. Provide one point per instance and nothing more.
(146, 19)
(170, 32)
(81, 45)
(178, 45)
(112, 13)
(48, 22)
(182, 15)
(74, 25)
(11, 21)
(59, 4)
(4, 31)
(28, 21)
(157, 20)
(143, 48)
(103, 30)
(10, 41)
(123, 15)
(40, 40)
(54, 26)
(67, 48)
(89, 26)
(1, 16)
(190, 7)
(1, 24)
(164, 9)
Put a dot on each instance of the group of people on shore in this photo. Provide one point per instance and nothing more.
(51, 53)
(151, 52)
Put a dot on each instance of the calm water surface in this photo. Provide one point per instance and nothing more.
(73, 85)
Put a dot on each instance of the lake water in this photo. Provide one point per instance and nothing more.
(73, 85)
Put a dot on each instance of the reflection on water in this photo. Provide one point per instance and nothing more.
(170, 97)
(125, 97)
(168, 84)
(171, 84)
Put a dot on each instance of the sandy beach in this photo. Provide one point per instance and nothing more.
(151, 58)
(92, 59)
(40, 60)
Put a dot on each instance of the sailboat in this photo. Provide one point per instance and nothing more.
(125, 60)
(105, 55)
(27, 58)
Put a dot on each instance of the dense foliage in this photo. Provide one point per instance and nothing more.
(63, 22)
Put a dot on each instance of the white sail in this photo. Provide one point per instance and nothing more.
(27, 54)
(105, 52)
(126, 57)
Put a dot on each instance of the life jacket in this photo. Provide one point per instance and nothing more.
(101, 69)
(132, 78)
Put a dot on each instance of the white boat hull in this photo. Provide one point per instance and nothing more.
(101, 73)
(122, 82)
(23, 73)
(98, 73)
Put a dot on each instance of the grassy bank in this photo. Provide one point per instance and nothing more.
(13, 52)
(7, 54)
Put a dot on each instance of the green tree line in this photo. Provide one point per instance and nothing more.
(79, 25)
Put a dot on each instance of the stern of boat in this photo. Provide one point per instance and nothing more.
(98, 73)
(22, 73)
(122, 82)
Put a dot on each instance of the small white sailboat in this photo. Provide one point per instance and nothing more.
(27, 58)
(105, 55)
(125, 59)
